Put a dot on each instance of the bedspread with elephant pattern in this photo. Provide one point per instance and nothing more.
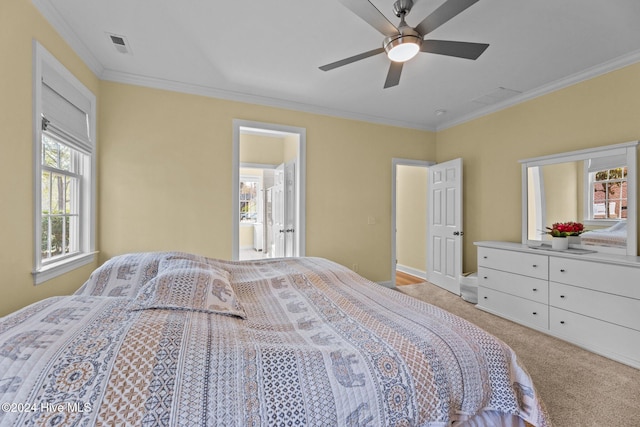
(319, 345)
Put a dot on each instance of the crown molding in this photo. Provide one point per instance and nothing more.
(54, 18)
(175, 86)
(598, 70)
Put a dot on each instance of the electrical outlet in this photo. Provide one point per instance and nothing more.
(354, 267)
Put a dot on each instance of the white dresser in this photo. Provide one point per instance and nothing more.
(591, 300)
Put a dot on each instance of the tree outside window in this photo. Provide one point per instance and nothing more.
(60, 205)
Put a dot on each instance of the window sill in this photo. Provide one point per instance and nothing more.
(603, 222)
(61, 267)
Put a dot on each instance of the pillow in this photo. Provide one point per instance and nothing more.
(179, 260)
(122, 275)
(194, 289)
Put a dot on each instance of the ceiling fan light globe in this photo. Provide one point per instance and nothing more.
(403, 52)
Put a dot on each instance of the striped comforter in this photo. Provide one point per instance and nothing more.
(317, 345)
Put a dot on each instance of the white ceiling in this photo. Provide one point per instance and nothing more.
(268, 52)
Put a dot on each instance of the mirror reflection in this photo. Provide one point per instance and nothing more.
(588, 187)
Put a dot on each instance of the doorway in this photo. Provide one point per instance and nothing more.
(409, 217)
(268, 190)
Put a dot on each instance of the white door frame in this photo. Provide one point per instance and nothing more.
(240, 126)
(395, 162)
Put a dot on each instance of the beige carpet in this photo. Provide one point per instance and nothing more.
(578, 388)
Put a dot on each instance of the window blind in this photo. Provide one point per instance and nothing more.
(65, 111)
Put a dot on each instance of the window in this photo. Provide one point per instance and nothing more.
(609, 193)
(607, 188)
(249, 199)
(64, 165)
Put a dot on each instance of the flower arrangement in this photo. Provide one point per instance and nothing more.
(564, 229)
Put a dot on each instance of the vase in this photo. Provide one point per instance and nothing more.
(559, 243)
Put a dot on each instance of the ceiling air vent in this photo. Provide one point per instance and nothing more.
(120, 43)
(496, 96)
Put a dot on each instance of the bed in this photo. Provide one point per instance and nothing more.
(170, 338)
(614, 236)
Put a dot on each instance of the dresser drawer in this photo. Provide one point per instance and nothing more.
(602, 337)
(533, 265)
(614, 279)
(514, 284)
(612, 308)
(518, 309)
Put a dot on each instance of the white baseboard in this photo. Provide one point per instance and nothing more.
(412, 271)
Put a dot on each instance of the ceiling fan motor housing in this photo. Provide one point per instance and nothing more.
(402, 7)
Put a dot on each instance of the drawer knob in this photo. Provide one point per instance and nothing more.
(485, 257)
(535, 313)
(562, 270)
(562, 296)
(535, 289)
(562, 322)
(485, 277)
(486, 297)
(535, 265)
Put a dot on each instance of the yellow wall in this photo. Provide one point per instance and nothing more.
(597, 112)
(165, 176)
(411, 217)
(291, 143)
(20, 23)
(561, 192)
(267, 150)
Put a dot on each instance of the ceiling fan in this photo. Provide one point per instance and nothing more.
(403, 42)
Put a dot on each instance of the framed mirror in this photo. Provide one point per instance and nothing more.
(595, 187)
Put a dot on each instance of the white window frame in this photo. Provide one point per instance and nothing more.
(589, 175)
(44, 270)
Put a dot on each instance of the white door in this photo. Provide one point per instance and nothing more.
(290, 249)
(278, 213)
(269, 247)
(444, 235)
